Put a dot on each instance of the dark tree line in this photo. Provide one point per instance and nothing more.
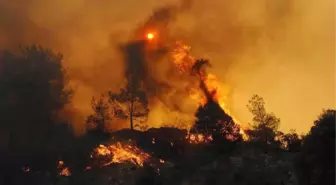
(315, 152)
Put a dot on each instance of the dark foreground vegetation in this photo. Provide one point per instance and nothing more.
(35, 136)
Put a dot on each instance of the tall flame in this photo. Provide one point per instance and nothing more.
(184, 61)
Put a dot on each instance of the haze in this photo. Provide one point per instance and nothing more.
(282, 50)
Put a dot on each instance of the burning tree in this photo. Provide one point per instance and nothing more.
(130, 103)
(211, 118)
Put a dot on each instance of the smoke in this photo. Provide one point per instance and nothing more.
(86, 32)
(291, 65)
(147, 64)
(282, 50)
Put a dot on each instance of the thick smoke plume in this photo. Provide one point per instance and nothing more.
(257, 46)
(147, 64)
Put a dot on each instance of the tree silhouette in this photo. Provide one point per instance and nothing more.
(264, 124)
(260, 117)
(101, 115)
(130, 103)
(316, 162)
(33, 89)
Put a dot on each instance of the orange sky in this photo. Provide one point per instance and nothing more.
(281, 51)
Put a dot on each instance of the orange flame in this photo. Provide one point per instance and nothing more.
(119, 153)
(184, 61)
(182, 58)
(220, 96)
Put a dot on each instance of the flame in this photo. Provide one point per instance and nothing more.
(182, 58)
(118, 153)
(103, 150)
(184, 61)
(220, 96)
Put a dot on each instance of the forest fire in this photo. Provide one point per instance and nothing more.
(119, 153)
(93, 95)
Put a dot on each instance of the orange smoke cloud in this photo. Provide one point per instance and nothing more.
(259, 46)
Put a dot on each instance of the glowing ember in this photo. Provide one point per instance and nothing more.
(63, 170)
(119, 153)
(198, 138)
(150, 36)
(103, 150)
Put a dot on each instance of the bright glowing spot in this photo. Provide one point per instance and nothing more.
(150, 36)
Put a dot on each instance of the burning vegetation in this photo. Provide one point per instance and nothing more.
(212, 114)
(119, 153)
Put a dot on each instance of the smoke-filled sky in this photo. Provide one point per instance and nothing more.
(282, 50)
